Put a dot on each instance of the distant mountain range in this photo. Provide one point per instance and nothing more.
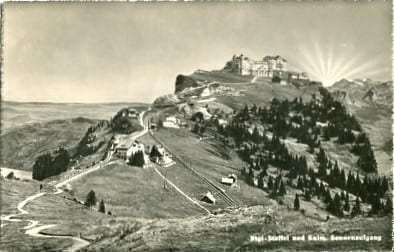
(372, 103)
(363, 92)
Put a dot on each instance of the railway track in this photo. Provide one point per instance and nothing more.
(219, 191)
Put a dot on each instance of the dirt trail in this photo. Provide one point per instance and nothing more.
(33, 228)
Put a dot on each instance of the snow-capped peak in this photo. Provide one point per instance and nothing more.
(358, 82)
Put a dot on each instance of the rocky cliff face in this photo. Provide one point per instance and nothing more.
(364, 92)
(182, 82)
(380, 95)
(201, 84)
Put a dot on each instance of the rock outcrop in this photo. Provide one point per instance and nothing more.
(182, 82)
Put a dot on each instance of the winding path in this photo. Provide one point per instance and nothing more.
(33, 228)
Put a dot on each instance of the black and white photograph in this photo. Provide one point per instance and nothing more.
(196, 126)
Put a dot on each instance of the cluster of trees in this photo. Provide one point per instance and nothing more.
(273, 152)
(200, 125)
(362, 148)
(323, 117)
(277, 187)
(47, 165)
(91, 200)
(337, 205)
(85, 146)
(124, 124)
(199, 128)
(137, 159)
(367, 189)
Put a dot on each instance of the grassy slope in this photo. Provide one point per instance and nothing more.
(207, 158)
(229, 231)
(20, 147)
(12, 237)
(219, 76)
(188, 182)
(261, 92)
(134, 192)
(42, 127)
(226, 230)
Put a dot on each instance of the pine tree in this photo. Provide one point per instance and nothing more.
(202, 130)
(357, 208)
(346, 207)
(270, 183)
(296, 202)
(137, 159)
(308, 195)
(154, 153)
(102, 206)
(256, 138)
(196, 128)
(300, 183)
(261, 181)
(275, 189)
(91, 199)
(327, 198)
(388, 208)
(376, 205)
(282, 188)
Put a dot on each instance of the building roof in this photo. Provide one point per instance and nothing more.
(209, 196)
(274, 58)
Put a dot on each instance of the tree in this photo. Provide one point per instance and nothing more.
(308, 195)
(137, 159)
(154, 153)
(160, 123)
(256, 136)
(357, 208)
(282, 188)
(47, 165)
(197, 117)
(196, 128)
(376, 205)
(261, 181)
(346, 207)
(388, 208)
(202, 130)
(91, 199)
(276, 79)
(102, 206)
(10, 175)
(270, 183)
(300, 183)
(296, 202)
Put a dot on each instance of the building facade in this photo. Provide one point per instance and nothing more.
(262, 68)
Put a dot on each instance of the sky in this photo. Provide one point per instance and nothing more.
(132, 52)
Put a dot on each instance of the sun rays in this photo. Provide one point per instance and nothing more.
(328, 65)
